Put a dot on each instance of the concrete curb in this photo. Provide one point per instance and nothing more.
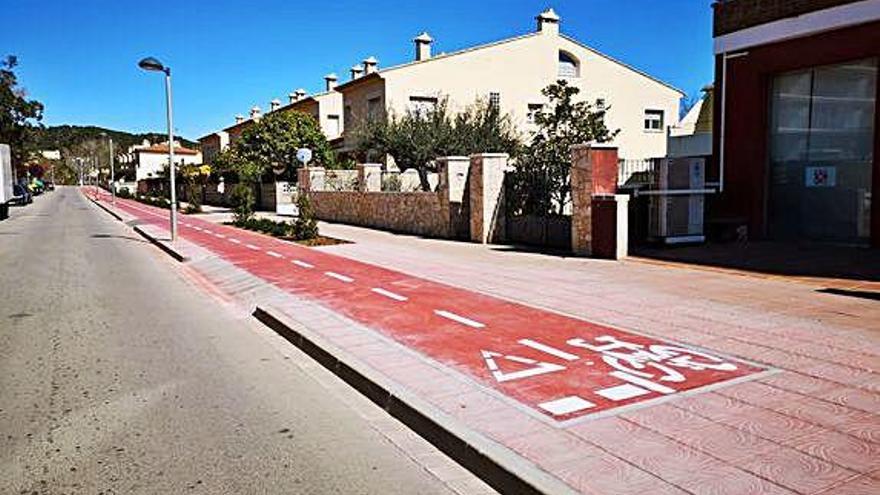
(168, 249)
(164, 246)
(499, 467)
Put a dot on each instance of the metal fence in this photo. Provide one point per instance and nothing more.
(637, 173)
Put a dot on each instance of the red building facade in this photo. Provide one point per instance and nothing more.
(796, 126)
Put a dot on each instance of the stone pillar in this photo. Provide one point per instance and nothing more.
(311, 178)
(487, 197)
(452, 172)
(369, 176)
(593, 171)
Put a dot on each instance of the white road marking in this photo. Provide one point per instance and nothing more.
(641, 382)
(339, 276)
(274, 254)
(566, 405)
(460, 319)
(186, 224)
(220, 236)
(236, 241)
(251, 246)
(197, 227)
(389, 294)
(302, 264)
(622, 392)
(207, 231)
(549, 350)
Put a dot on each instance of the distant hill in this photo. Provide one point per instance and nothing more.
(66, 136)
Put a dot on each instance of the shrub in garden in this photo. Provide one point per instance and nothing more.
(242, 198)
(305, 226)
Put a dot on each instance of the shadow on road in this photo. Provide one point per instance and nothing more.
(112, 236)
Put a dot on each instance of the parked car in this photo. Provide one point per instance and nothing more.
(21, 195)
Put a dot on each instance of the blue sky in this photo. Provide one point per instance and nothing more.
(79, 57)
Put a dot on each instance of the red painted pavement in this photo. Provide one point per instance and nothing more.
(560, 366)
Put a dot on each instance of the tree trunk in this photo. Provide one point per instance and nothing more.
(423, 179)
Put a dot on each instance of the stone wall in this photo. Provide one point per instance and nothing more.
(418, 213)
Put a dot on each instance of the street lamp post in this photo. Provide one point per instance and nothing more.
(152, 64)
(112, 173)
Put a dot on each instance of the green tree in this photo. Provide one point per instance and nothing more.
(418, 136)
(19, 116)
(268, 145)
(541, 179)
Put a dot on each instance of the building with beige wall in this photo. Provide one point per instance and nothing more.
(324, 107)
(511, 73)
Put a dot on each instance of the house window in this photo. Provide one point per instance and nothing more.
(568, 65)
(654, 120)
(495, 100)
(333, 126)
(422, 104)
(347, 114)
(374, 108)
(533, 111)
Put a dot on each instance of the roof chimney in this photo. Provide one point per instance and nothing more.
(423, 46)
(300, 94)
(239, 119)
(370, 65)
(330, 81)
(356, 71)
(275, 104)
(548, 22)
(255, 112)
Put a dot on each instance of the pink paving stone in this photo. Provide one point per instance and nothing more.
(843, 450)
(843, 374)
(853, 397)
(795, 470)
(866, 427)
(666, 419)
(550, 447)
(711, 406)
(652, 452)
(728, 480)
(862, 485)
(800, 383)
(507, 423)
(602, 474)
(769, 424)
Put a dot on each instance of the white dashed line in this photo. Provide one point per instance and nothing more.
(460, 319)
(302, 264)
(251, 246)
(274, 254)
(221, 236)
(186, 224)
(207, 231)
(235, 241)
(338, 276)
(389, 294)
(197, 227)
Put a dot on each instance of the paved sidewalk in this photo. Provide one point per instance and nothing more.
(799, 414)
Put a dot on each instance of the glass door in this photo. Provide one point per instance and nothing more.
(821, 153)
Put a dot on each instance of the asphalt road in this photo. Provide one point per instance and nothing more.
(118, 375)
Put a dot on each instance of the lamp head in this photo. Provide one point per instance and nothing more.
(153, 64)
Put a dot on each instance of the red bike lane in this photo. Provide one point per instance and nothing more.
(560, 366)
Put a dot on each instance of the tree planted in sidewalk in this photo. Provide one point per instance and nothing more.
(417, 137)
(541, 181)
